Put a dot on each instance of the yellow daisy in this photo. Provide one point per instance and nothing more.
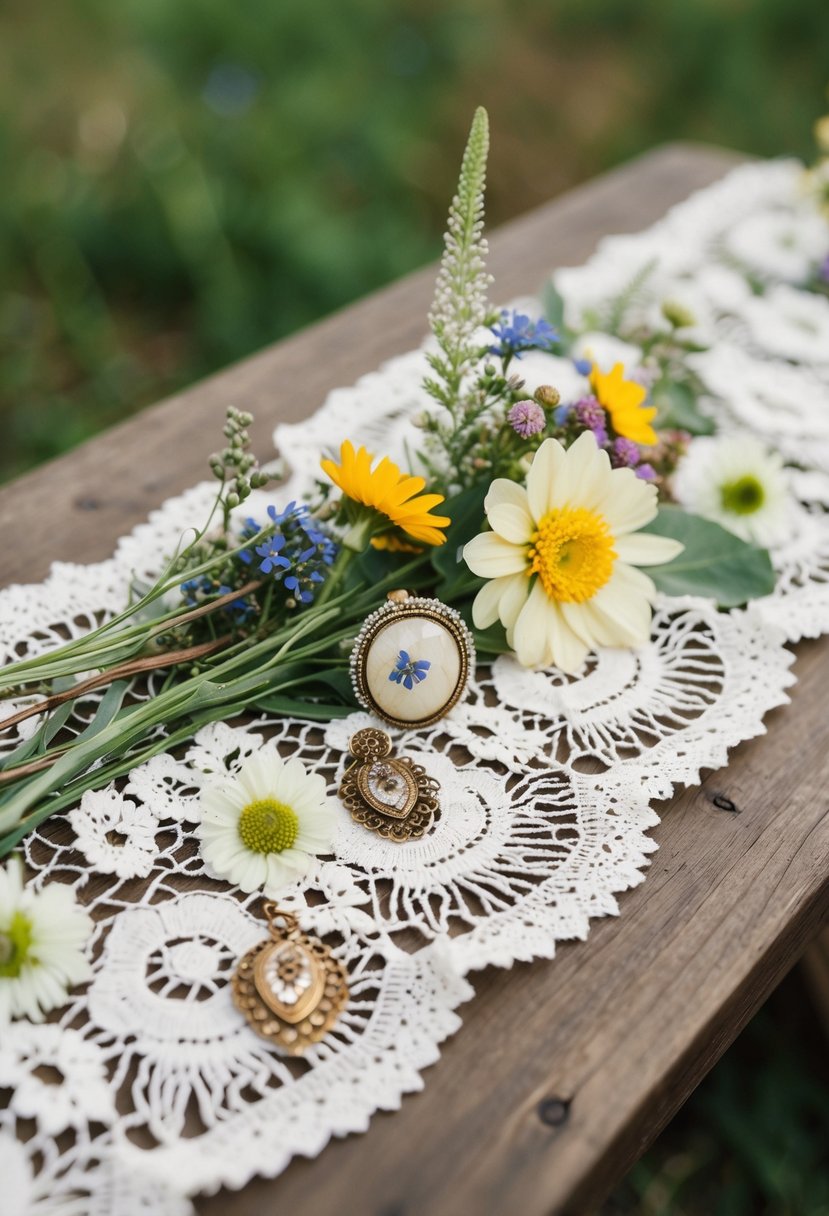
(395, 499)
(561, 556)
(623, 401)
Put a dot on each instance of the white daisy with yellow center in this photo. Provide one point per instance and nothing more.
(738, 483)
(260, 828)
(42, 938)
(562, 553)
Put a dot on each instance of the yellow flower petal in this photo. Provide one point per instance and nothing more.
(391, 494)
(623, 401)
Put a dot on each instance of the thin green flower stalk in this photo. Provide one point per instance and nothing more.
(472, 382)
(460, 305)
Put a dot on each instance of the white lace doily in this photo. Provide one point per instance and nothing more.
(151, 1086)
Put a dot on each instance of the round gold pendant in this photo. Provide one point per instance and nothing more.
(290, 988)
(412, 660)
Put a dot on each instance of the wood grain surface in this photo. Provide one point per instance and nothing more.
(564, 1071)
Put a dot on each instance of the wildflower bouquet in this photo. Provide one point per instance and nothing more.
(529, 508)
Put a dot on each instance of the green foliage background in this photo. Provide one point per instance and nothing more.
(185, 182)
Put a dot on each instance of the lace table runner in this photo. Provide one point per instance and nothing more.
(547, 781)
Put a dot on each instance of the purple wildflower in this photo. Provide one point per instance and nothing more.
(583, 366)
(590, 415)
(646, 471)
(624, 454)
(527, 418)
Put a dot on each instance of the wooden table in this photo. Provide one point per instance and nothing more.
(563, 1072)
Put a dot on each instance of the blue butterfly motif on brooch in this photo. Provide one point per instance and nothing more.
(409, 672)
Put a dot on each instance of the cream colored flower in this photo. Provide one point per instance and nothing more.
(260, 828)
(561, 556)
(42, 937)
(738, 483)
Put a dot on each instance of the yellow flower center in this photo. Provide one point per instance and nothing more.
(268, 826)
(572, 553)
(15, 943)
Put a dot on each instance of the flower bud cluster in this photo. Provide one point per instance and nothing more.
(236, 465)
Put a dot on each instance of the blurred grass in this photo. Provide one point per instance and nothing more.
(190, 181)
(752, 1140)
(186, 182)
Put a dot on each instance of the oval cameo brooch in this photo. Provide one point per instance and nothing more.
(411, 661)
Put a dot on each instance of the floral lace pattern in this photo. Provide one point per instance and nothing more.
(151, 1086)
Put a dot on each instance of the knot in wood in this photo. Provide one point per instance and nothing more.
(554, 1111)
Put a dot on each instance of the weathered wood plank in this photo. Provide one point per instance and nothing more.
(564, 1071)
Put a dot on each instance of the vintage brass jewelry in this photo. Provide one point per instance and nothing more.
(290, 987)
(411, 660)
(390, 795)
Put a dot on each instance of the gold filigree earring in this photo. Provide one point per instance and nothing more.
(387, 794)
(290, 987)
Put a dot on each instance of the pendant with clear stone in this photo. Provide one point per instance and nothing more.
(390, 795)
(290, 987)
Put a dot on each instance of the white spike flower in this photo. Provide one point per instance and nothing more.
(738, 483)
(261, 827)
(42, 938)
(562, 553)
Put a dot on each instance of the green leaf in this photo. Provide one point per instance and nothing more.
(371, 567)
(677, 406)
(466, 510)
(714, 562)
(316, 711)
(553, 303)
(110, 705)
(490, 642)
(55, 723)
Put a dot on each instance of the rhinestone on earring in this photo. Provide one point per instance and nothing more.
(290, 988)
(388, 794)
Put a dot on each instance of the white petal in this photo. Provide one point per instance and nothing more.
(567, 649)
(545, 470)
(529, 635)
(645, 549)
(512, 522)
(251, 872)
(502, 598)
(486, 605)
(628, 502)
(502, 490)
(516, 590)
(488, 556)
(221, 798)
(624, 607)
(586, 622)
(585, 473)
